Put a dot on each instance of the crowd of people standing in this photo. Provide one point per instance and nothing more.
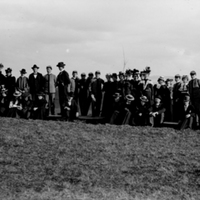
(124, 98)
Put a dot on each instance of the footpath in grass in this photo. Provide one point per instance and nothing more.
(60, 160)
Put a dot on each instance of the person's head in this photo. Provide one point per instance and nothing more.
(146, 75)
(157, 101)
(23, 72)
(193, 74)
(168, 82)
(161, 80)
(147, 72)
(49, 69)
(61, 66)
(186, 100)
(83, 76)
(129, 99)
(177, 78)
(143, 100)
(128, 74)
(1, 67)
(17, 94)
(117, 96)
(97, 74)
(185, 79)
(108, 77)
(114, 77)
(91, 75)
(142, 76)
(121, 76)
(8, 72)
(74, 74)
(35, 69)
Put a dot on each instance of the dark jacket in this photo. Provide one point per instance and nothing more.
(63, 79)
(36, 84)
(2, 79)
(190, 110)
(10, 83)
(97, 87)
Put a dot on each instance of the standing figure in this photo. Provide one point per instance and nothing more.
(121, 84)
(23, 83)
(2, 77)
(169, 101)
(108, 98)
(184, 90)
(83, 95)
(4, 103)
(10, 83)
(135, 84)
(114, 83)
(50, 90)
(74, 85)
(157, 113)
(128, 83)
(36, 83)
(63, 82)
(96, 94)
(194, 91)
(176, 97)
(186, 114)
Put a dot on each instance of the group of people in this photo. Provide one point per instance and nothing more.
(124, 98)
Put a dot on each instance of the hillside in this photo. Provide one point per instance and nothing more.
(42, 160)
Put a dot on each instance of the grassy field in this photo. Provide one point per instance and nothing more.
(48, 160)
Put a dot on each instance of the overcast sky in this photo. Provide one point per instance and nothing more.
(90, 35)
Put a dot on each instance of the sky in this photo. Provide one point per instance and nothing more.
(90, 35)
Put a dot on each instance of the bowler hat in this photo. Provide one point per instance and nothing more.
(17, 93)
(193, 73)
(35, 66)
(114, 75)
(130, 97)
(23, 71)
(60, 64)
(144, 99)
(8, 70)
(49, 67)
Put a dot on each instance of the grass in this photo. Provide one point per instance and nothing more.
(48, 160)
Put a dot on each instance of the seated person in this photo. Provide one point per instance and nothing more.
(4, 103)
(15, 105)
(39, 107)
(187, 113)
(26, 106)
(125, 111)
(157, 112)
(70, 108)
(116, 106)
(142, 112)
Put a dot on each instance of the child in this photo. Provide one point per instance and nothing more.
(70, 108)
(187, 114)
(142, 112)
(157, 112)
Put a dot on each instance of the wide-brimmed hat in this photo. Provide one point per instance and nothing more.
(128, 72)
(90, 74)
(144, 99)
(117, 94)
(186, 98)
(23, 71)
(193, 73)
(114, 75)
(35, 66)
(121, 74)
(8, 70)
(17, 93)
(130, 97)
(161, 78)
(49, 67)
(61, 64)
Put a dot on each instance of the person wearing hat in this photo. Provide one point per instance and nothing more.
(63, 83)
(108, 91)
(157, 113)
(10, 83)
(146, 86)
(22, 83)
(135, 83)
(4, 103)
(83, 94)
(36, 83)
(96, 94)
(187, 113)
(141, 115)
(39, 107)
(194, 91)
(15, 105)
(184, 90)
(128, 83)
(176, 97)
(70, 108)
(50, 90)
(121, 83)
(74, 85)
(114, 83)
(2, 77)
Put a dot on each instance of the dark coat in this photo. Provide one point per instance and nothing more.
(2, 79)
(190, 110)
(36, 84)
(176, 92)
(70, 114)
(63, 79)
(10, 83)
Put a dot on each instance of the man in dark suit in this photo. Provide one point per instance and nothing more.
(2, 77)
(36, 82)
(10, 82)
(63, 83)
(96, 94)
